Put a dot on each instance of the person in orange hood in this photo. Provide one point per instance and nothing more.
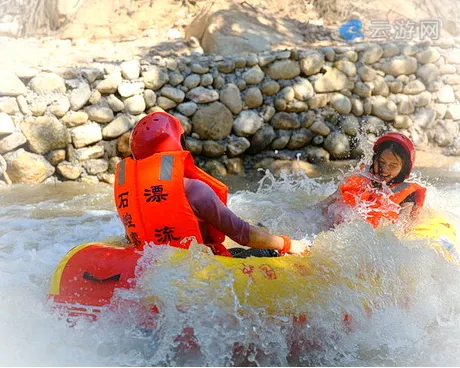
(163, 198)
(381, 190)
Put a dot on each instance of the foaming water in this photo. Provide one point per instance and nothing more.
(401, 297)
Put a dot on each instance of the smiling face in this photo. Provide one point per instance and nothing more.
(387, 165)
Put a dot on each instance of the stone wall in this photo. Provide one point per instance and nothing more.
(238, 112)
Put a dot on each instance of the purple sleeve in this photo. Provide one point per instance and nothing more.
(208, 207)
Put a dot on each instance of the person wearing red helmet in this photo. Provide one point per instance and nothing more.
(163, 198)
(381, 189)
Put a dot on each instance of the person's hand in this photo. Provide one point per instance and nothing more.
(299, 247)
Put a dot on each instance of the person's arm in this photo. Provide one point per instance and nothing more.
(209, 208)
(325, 203)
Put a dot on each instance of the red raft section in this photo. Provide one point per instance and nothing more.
(85, 279)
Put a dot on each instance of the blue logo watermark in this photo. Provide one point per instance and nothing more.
(351, 30)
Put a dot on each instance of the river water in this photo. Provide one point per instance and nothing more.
(413, 323)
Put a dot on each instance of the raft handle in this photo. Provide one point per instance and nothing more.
(90, 277)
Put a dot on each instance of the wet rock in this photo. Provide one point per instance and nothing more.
(6, 124)
(95, 166)
(206, 80)
(28, 168)
(113, 162)
(213, 149)
(173, 94)
(193, 145)
(253, 76)
(247, 123)
(333, 80)
(380, 87)
(284, 69)
(372, 54)
(11, 142)
(446, 94)
(74, 118)
(214, 121)
(165, 103)
(84, 135)
(338, 145)
(293, 167)
(303, 90)
(130, 69)
(261, 139)
(312, 63)
(47, 83)
(231, 97)
(235, 166)
(414, 87)
(80, 96)
(116, 104)
(11, 85)
(400, 65)
(120, 125)
(44, 134)
(227, 66)
(384, 109)
(128, 89)
(123, 145)
(425, 118)
(341, 103)
(403, 122)
(350, 126)
(270, 88)
(374, 125)
(192, 81)
(69, 171)
(406, 107)
(155, 78)
(99, 114)
(444, 132)
(319, 127)
(317, 155)
(284, 120)
(187, 108)
(110, 84)
(134, 105)
(253, 98)
(202, 95)
(430, 55)
(9, 106)
(300, 138)
(453, 112)
(366, 73)
(215, 168)
(55, 157)
(346, 67)
(282, 138)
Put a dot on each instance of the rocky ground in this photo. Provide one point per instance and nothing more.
(114, 31)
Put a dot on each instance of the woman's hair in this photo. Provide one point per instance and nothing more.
(399, 151)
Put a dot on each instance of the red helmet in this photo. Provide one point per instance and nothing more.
(156, 132)
(402, 140)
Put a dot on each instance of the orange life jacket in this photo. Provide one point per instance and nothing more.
(377, 203)
(152, 203)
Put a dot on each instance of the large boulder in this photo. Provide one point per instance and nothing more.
(44, 134)
(228, 28)
(214, 121)
(28, 168)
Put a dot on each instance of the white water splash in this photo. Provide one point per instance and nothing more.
(415, 308)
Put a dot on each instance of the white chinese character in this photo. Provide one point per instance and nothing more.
(380, 29)
(405, 29)
(430, 28)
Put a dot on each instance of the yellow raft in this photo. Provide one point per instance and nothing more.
(85, 279)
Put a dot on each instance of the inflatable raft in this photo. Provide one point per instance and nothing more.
(85, 280)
